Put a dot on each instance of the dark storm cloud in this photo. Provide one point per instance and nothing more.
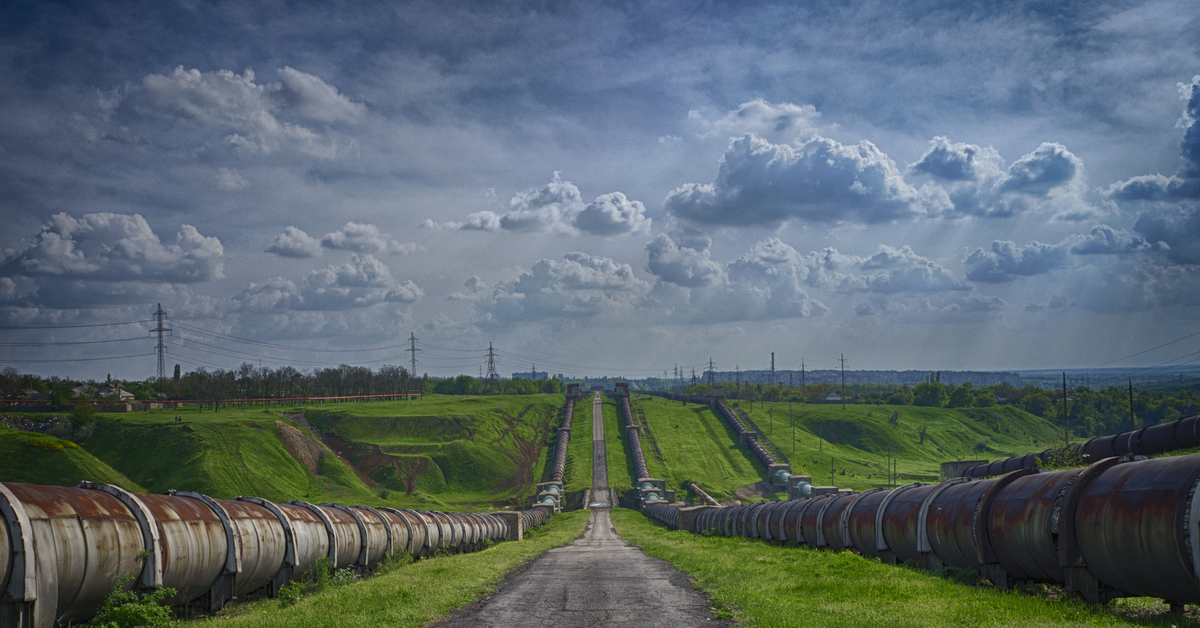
(1185, 184)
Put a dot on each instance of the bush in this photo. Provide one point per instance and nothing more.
(129, 609)
(345, 575)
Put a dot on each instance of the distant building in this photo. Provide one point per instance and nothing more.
(833, 398)
(531, 375)
(32, 394)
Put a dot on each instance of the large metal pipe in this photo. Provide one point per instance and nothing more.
(62, 549)
(1148, 441)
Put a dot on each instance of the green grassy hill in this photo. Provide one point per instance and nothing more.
(438, 452)
(858, 440)
(43, 459)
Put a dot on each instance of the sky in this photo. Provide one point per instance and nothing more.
(599, 188)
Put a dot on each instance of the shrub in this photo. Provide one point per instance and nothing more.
(129, 609)
(345, 575)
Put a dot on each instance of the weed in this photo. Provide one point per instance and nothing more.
(129, 609)
(345, 576)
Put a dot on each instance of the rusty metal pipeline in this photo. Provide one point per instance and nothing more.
(635, 443)
(1116, 528)
(705, 497)
(62, 548)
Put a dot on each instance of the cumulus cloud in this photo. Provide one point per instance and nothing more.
(949, 161)
(476, 289)
(975, 182)
(613, 214)
(1006, 261)
(579, 286)
(1104, 240)
(558, 207)
(316, 99)
(1175, 230)
(295, 243)
(116, 247)
(365, 238)
(364, 281)
(820, 181)
(683, 265)
(889, 271)
(248, 109)
(1185, 183)
(779, 122)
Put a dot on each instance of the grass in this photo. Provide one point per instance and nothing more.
(759, 584)
(697, 446)
(412, 595)
(857, 440)
(445, 452)
(621, 472)
(43, 459)
(578, 474)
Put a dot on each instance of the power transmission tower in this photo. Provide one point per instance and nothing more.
(803, 386)
(412, 338)
(693, 376)
(159, 317)
(843, 359)
(492, 375)
(711, 371)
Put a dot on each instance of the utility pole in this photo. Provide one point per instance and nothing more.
(820, 435)
(1131, 405)
(694, 376)
(803, 387)
(889, 469)
(412, 340)
(737, 373)
(843, 381)
(1066, 418)
(159, 317)
(792, 422)
(832, 479)
(772, 368)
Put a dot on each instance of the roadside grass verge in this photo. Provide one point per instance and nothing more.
(759, 584)
(412, 595)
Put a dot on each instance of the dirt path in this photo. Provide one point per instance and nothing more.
(597, 580)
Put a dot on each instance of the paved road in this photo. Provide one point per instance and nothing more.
(597, 580)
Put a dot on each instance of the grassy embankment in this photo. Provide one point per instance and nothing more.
(760, 584)
(578, 474)
(441, 451)
(43, 459)
(414, 594)
(697, 446)
(858, 440)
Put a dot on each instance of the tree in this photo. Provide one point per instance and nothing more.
(931, 394)
(962, 396)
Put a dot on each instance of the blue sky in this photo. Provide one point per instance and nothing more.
(608, 188)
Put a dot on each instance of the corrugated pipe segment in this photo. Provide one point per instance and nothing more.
(1088, 528)
(62, 548)
(1147, 441)
(564, 439)
(635, 443)
(755, 447)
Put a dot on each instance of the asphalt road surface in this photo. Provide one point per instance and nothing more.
(596, 580)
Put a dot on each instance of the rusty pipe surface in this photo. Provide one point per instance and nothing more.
(1148, 441)
(705, 497)
(1117, 528)
(63, 548)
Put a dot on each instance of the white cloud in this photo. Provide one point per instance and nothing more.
(558, 207)
(1185, 184)
(579, 286)
(820, 181)
(316, 99)
(476, 289)
(613, 214)
(889, 271)
(781, 122)
(237, 103)
(295, 243)
(116, 247)
(1006, 261)
(365, 238)
(1104, 240)
(364, 281)
(682, 265)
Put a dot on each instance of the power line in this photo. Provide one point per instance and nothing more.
(66, 342)
(74, 326)
(114, 357)
(1149, 350)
